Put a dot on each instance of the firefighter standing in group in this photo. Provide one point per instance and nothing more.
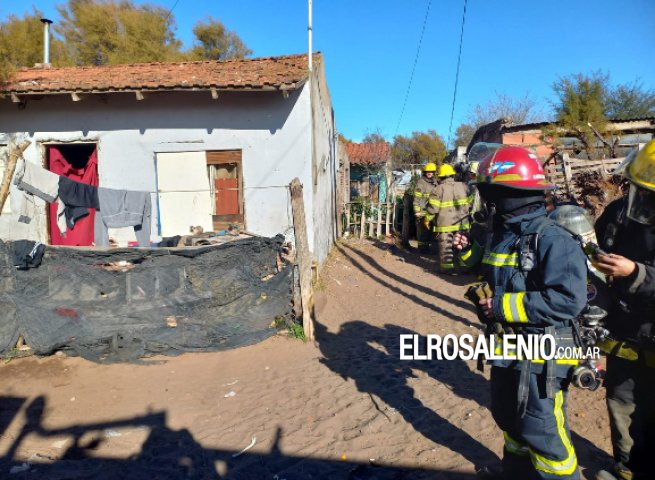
(626, 229)
(424, 187)
(449, 210)
(537, 276)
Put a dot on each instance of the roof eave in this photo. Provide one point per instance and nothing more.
(264, 88)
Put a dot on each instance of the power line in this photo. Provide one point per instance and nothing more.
(170, 12)
(411, 77)
(459, 59)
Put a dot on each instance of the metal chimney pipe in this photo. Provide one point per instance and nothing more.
(46, 40)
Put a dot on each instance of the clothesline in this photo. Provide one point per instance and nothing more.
(107, 207)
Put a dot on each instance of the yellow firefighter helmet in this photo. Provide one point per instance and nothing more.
(446, 170)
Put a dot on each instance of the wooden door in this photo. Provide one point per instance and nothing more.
(225, 172)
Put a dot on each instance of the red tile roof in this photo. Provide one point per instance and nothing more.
(368, 153)
(271, 73)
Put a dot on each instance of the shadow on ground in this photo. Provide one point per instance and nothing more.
(169, 455)
(350, 353)
(371, 268)
(381, 374)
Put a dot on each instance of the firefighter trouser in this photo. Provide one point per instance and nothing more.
(423, 236)
(445, 246)
(630, 388)
(537, 444)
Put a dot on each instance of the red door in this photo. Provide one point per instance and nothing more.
(80, 170)
(227, 196)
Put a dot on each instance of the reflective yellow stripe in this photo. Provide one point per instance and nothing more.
(557, 467)
(618, 349)
(460, 227)
(559, 361)
(466, 255)
(418, 194)
(512, 446)
(451, 203)
(417, 209)
(507, 308)
(501, 259)
(518, 300)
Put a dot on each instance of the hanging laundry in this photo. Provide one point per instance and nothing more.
(82, 172)
(34, 180)
(123, 208)
(78, 198)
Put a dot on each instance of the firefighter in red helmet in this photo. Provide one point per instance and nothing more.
(538, 278)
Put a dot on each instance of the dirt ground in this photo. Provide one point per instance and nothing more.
(345, 408)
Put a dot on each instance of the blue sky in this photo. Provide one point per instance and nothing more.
(515, 47)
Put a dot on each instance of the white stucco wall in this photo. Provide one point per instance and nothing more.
(325, 166)
(273, 133)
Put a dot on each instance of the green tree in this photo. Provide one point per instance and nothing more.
(464, 134)
(630, 100)
(516, 110)
(21, 44)
(215, 42)
(374, 137)
(100, 32)
(419, 148)
(580, 111)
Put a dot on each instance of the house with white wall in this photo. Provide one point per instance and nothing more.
(214, 142)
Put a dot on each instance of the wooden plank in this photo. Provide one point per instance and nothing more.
(223, 156)
(347, 217)
(15, 152)
(567, 172)
(378, 231)
(371, 228)
(303, 257)
(387, 222)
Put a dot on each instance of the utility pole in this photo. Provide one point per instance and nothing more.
(309, 33)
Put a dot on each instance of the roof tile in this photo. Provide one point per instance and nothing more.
(247, 73)
(368, 153)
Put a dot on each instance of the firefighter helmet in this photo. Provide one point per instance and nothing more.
(429, 167)
(640, 171)
(446, 170)
(512, 167)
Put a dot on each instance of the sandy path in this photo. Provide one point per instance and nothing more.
(347, 408)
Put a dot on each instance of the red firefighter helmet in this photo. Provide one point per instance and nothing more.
(512, 167)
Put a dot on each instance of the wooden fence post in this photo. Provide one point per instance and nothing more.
(348, 218)
(362, 222)
(371, 228)
(303, 257)
(387, 221)
(378, 230)
(568, 178)
(15, 152)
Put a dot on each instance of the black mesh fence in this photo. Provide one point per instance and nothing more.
(124, 304)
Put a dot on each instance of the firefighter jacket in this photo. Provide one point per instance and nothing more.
(424, 187)
(543, 299)
(449, 206)
(632, 299)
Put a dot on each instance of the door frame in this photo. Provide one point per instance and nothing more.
(234, 157)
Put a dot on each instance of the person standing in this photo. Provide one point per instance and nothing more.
(424, 187)
(449, 210)
(537, 274)
(626, 229)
